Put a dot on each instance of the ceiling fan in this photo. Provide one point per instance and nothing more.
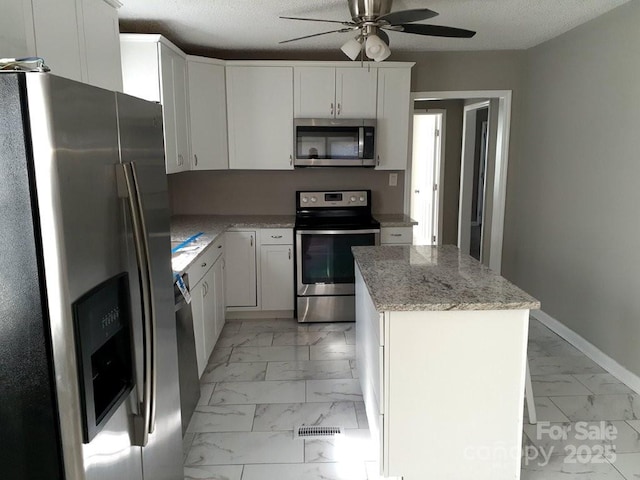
(370, 18)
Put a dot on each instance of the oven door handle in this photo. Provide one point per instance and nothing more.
(336, 232)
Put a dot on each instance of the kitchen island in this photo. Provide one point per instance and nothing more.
(441, 352)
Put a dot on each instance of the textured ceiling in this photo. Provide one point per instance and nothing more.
(253, 25)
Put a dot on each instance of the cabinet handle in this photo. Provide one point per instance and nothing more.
(396, 234)
(219, 246)
(180, 161)
(204, 264)
(195, 158)
(289, 254)
(205, 288)
(290, 159)
(276, 236)
(378, 160)
(331, 108)
(252, 240)
(339, 109)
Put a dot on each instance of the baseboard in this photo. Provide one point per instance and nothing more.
(627, 377)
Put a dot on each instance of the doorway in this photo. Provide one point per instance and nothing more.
(426, 166)
(495, 177)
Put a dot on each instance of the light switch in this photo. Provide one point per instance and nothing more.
(393, 179)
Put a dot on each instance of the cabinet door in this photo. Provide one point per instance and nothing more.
(168, 109)
(208, 116)
(219, 300)
(181, 109)
(241, 281)
(314, 92)
(260, 114)
(57, 36)
(276, 273)
(394, 104)
(197, 312)
(102, 44)
(209, 318)
(356, 90)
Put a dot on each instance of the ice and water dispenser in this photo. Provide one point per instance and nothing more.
(102, 319)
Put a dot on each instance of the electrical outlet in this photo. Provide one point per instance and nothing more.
(393, 179)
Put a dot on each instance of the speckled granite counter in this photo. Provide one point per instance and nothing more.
(394, 220)
(412, 278)
(184, 227)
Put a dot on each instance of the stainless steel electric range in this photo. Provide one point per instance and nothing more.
(328, 224)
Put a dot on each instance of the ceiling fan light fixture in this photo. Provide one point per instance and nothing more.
(353, 47)
(376, 49)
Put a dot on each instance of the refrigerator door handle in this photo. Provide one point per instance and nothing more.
(144, 421)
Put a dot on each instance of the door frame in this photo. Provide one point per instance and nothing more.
(499, 193)
(438, 213)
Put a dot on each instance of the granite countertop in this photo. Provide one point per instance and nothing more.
(394, 220)
(184, 227)
(417, 278)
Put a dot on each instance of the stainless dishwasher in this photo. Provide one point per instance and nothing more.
(187, 364)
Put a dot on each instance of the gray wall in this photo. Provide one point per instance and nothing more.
(273, 192)
(572, 224)
(452, 152)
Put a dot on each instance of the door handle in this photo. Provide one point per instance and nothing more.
(144, 421)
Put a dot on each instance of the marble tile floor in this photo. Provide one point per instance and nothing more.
(265, 377)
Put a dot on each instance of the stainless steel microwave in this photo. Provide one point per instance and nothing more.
(326, 142)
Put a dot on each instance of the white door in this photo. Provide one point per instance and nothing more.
(314, 92)
(356, 92)
(425, 174)
(240, 258)
(260, 115)
(469, 230)
(208, 116)
(276, 262)
(393, 113)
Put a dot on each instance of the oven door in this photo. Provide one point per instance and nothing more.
(324, 262)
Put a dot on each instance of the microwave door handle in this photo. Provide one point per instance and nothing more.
(141, 420)
(361, 142)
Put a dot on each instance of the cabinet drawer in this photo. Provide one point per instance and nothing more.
(205, 261)
(396, 235)
(276, 236)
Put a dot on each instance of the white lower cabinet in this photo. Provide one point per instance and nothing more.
(276, 274)
(206, 279)
(241, 272)
(396, 236)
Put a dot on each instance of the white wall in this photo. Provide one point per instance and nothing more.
(572, 233)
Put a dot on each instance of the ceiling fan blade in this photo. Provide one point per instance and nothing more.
(436, 30)
(342, 30)
(405, 16)
(349, 24)
(383, 36)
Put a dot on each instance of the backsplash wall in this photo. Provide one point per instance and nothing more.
(272, 192)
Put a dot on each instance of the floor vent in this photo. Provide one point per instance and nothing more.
(310, 432)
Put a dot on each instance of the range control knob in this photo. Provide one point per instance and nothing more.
(305, 200)
(314, 199)
(353, 199)
(362, 199)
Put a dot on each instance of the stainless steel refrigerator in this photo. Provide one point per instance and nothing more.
(88, 357)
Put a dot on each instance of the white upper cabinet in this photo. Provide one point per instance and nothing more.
(329, 92)
(356, 92)
(208, 114)
(392, 130)
(57, 36)
(78, 39)
(102, 44)
(154, 69)
(260, 116)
